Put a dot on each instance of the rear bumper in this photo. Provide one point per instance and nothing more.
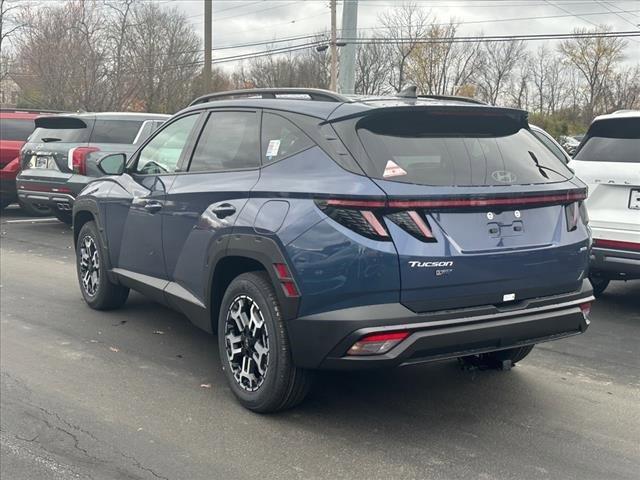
(615, 264)
(51, 188)
(321, 341)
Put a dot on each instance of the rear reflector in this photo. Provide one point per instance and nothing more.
(615, 244)
(377, 343)
(586, 308)
(286, 280)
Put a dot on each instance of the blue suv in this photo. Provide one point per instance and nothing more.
(312, 230)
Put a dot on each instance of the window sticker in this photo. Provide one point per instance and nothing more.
(393, 170)
(272, 149)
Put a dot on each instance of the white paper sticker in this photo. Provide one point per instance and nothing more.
(272, 149)
(393, 170)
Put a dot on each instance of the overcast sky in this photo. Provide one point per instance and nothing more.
(264, 20)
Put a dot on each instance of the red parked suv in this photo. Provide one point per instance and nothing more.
(15, 128)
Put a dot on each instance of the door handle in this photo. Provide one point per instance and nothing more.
(224, 210)
(153, 206)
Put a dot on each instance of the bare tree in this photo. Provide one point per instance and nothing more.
(623, 90)
(405, 26)
(373, 61)
(10, 25)
(595, 59)
(499, 59)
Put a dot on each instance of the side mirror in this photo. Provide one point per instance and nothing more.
(112, 164)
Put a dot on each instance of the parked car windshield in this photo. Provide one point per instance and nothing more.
(16, 129)
(613, 140)
(450, 149)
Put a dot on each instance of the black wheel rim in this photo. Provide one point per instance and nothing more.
(89, 265)
(247, 343)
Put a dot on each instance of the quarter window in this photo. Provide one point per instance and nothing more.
(162, 153)
(281, 138)
(229, 141)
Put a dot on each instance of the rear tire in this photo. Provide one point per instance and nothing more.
(599, 285)
(96, 287)
(254, 347)
(64, 216)
(35, 210)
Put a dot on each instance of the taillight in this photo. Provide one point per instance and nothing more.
(586, 309)
(616, 244)
(78, 159)
(574, 212)
(413, 222)
(377, 343)
(361, 216)
(286, 280)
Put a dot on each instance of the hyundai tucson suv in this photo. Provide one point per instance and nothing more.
(316, 231)
(608, 160)
(59, 158)
(15, 128)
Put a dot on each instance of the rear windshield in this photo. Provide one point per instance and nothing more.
(115, 131)
(455, 149)
(613, 140)
(62, 135)
(15, 129)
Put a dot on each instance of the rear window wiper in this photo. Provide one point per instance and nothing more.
(50, 139)
(542, 168)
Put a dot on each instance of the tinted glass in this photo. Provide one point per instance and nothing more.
(613, 140)
(229, 141)
(15, 129)
(453, 149)
(557, 151)
(62, 135)
(162, 153)
(115, 131)
(281, 138)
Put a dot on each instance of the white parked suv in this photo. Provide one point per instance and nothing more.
(608, 161)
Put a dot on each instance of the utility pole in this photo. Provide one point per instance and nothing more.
(347, 75)
(334, 49)
(208, 45)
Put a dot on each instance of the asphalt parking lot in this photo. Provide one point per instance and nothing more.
(138, 394)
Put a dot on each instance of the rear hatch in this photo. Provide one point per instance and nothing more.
(13, 133)
(49, 145)
(608, 161)
(480, 211)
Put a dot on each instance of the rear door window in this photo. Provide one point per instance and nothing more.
(16, 129)
(229, 141)
(455, 148)
(612, 140)
(115, 131)
(281, 138)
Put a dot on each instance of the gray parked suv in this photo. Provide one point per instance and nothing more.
(62, 155)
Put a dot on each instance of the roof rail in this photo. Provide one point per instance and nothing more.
(315, 94)
(454, 97)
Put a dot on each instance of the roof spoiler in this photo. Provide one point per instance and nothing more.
(60, 122)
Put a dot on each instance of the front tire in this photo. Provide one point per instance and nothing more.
(254, 347)
(96, 287)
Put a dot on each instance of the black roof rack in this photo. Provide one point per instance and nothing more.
(315, 94)
(454, 98)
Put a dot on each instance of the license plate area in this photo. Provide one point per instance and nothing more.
(43, 162)
(634, 199)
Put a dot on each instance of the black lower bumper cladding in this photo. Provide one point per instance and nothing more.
(321, 341)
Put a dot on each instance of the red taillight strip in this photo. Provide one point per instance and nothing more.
(616, 244)
(374, 222)
(383, 337)
(421, 224)
(337, 202)
(489, 202)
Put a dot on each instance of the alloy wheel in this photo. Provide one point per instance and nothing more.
(89, 266)
(247, 343)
